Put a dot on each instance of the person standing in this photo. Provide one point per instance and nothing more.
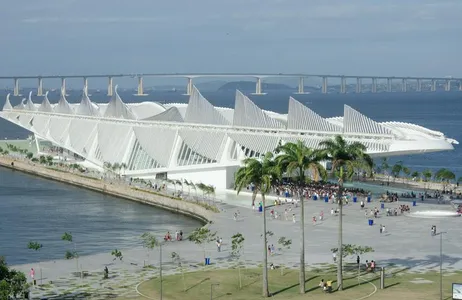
(358, 260)
(334, 256)
(32, 275)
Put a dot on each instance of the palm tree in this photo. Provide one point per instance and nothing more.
(294, 160)
(344, 158)
(261, 173)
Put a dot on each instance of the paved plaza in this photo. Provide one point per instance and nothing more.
(406, 242)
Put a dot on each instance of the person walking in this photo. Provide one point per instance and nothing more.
(32, 275)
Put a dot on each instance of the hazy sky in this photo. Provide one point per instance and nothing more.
(376, 37)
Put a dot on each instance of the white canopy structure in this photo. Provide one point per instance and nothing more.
(200, 142)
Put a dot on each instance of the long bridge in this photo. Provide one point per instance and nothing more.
(259, 77)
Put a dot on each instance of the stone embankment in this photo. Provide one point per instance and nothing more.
(118, 190)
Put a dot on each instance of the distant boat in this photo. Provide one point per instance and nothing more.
(98, 91)
(173, 90)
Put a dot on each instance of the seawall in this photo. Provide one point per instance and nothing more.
(122, 191)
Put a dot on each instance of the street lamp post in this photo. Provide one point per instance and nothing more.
(441, 263)
(160, 269)
(211, 289)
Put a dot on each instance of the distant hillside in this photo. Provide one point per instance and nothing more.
(250, 86)
(210, 85)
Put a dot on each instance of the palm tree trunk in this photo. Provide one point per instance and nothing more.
(301, 274)
(340, 236)
(254, 196)
(265, 251)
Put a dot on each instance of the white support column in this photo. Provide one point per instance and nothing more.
(460, 85)
(359, 85)
(37, 143)
(374, 85)
(85, 84)
(189, 86)
(63, 85)
(40, 87)
(324, 85)
(110, 87)
(343, 85)
(258, 87)
(16, 87)
(140, 90)
(433, 88)
(389, 85)
(301, 85)
(404, 85)
(419, 85)
(448, 85)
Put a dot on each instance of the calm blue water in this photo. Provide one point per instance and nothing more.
(32, 208)
(35, 209)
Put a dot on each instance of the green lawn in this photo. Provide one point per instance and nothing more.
(196, 285)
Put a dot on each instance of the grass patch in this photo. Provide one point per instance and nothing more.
(197, 285)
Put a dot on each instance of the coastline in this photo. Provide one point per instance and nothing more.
(133, 194)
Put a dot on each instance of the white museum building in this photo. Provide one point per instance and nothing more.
(199, 142)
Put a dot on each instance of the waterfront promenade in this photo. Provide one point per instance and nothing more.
(407, 241)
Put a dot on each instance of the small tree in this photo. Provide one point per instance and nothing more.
(349, 249)
(237, 245)
(284, 244)
(415, 174)
(49, 159)
(427, 174)
(36, 247)
(149, 241)
(117, 254)
(445, 176)
(202, 236)
(397, 169)
(406, 172)
(29, 155)
(67, 236)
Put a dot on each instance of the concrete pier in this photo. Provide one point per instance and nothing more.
(63, 85)
(301, 85)
(16, 87)
(419, 85)
(110, 86)
(374, 85)
(324, 85)
(343, 85)
(258, 88)
(389, 85)
(404, 85)
(140, 90)
(189, 86)
(433, 88)
(359, 85)
(40, 87)
(460, 86)
(85, 84)
(447, 86)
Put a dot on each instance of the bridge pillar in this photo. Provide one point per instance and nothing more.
(359, 85)
(404, 85)
(374, 85)
(85, 85)
(63, 85)
(324, 85)
(189, 86)
(258, 88)
(109, 87)
(419, 85)
(433, 88)
(16, 87)
(40, 87)
(389, 85)
(447, 87)
(460, 85)
(140, 90)
(343, 85)
(301, 85)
